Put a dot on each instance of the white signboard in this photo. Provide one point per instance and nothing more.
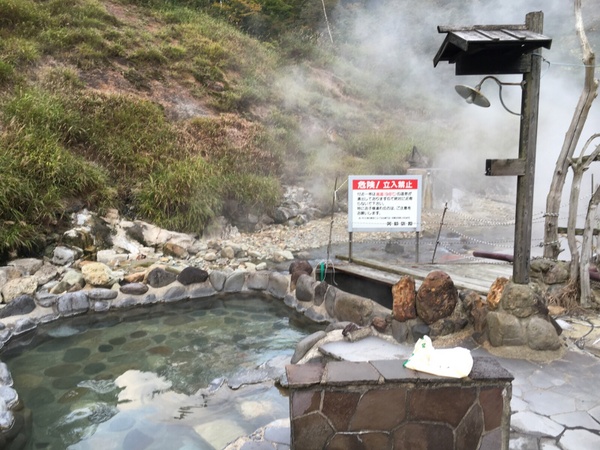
(384, 202)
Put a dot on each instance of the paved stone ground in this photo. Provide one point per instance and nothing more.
(556, 398)
(555, 402)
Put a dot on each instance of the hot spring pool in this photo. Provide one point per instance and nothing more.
(157, 377)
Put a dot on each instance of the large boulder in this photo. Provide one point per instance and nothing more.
(505, 329)
(437, 297)
(258, 281)
(305, 288)
(348, 307)
(522, 300)
(541, 334)
(98, 274)
(278, 285)
(72, 303)
(235, 281)
(159, 277)
(404, 299)
(19, 286)
(298, 268)
(191, 275)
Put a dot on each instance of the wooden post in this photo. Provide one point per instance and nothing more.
(527, 149)
(350, 246)
(417, 249)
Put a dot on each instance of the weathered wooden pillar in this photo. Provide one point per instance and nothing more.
(527, 150)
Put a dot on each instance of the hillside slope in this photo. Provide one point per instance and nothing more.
(158, 109)
(177, 111)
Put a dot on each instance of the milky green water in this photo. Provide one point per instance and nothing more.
(142, 379)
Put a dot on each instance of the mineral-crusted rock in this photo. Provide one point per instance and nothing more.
(495, 293)
(404, 299)
(437, 297)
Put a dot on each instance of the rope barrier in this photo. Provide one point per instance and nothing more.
(457, 226)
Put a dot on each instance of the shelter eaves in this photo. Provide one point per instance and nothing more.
(490, 49)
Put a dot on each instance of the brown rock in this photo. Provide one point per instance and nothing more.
(437, 297)
(380, 324)
(177, 251)
(298, 268)
(404, 295)
(478, 316)
(135, 277)
(495, 293)
(556, 310)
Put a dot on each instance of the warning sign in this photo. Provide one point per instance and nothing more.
(384, 203)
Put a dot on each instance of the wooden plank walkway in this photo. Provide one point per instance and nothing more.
(476, 276)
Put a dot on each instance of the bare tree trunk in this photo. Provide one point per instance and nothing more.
(589, 93)
(578, 170)
(579, 166)
(586, 251)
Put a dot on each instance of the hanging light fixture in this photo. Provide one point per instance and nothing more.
(473, 95)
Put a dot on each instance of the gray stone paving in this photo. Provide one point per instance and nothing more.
(554, 406)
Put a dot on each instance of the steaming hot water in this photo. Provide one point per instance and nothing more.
(156, 378)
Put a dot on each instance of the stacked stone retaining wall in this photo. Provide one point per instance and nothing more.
(382, 405)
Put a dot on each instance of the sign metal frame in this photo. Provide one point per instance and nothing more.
(389, 203)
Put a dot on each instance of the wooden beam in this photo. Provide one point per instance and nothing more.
(578, 231)
(491, 62)
(504, 167)
(449, 29)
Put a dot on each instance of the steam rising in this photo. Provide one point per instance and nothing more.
(384, 52)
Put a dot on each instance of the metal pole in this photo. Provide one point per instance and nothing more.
(437, 241)
(527, 148)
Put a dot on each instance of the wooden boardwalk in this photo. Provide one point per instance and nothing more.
(475, 276)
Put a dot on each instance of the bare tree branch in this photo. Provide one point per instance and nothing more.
(586, 249)
(579, 166)
(589, 93)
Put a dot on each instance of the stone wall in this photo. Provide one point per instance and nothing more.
(318, 301)
(15, 418)
(381, 405)
(160, 285)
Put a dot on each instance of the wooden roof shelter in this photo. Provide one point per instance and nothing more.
(507, 49)
(490, 49)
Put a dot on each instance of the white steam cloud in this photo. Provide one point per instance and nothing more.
(390, 46)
